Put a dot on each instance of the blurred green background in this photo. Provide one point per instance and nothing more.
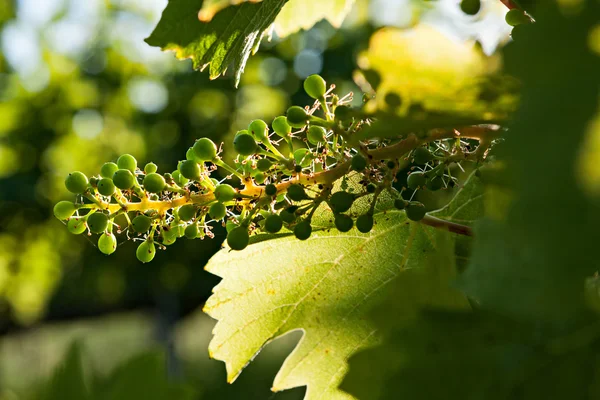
(79, 87)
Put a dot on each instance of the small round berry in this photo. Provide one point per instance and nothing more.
(224, 193)
(244, 144)
(297, 117)
(141, 223)
(238, 238)
(516, 17)
(343, 113)
(341, 201)
(179, 179)
(229, 225)
(108, 169)
(315, 86)
(76, 182)
(76, 226)
(64, 210)
(187, 212)
(358, 163)
(393, 100)
(435, 183)
(298, 168)
(296, 192)
(106, 187)
(416, 180)
(264, 164)
(364, 223)
(170, 235)
(415, 211)
(127, 161)
(217, 211)
(470, 7)
(288, 216)
(97, 222)
(273, 223)
(260, 178)
(191, 155)
(191, 231)
(260, 130)
(316, 134)
(390, 164)
(154, 183)
(303, 230)
(343, 222)
(94, 181)
(371, 188)
(422, 155)
(400, 204)
(281, 127)
(189, 169)
(303, 157)
(205, 149)
(123, 179)
(150, 168)
(270, 190)
(146, 251)
(107, 243)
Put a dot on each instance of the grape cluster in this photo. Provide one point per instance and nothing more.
(285, 172)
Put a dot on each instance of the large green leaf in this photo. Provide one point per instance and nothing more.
(322, 286)
(68, 379)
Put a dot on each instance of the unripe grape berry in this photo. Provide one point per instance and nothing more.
(146, 251)
(270, 190)
(341, 201)
(154, 183)
(127, 161)
(191, 231)
(264, 164)
(191, 155)
(415, 211)
(107, 243)
(296, 192)
(224, 193)
(358, 163)
(169, 236)
(316, 134)
(150, 168)
(141, 223)
(303, 230)
(364, 223)
(371, 188)
(76, 226)
(343, 222)
(205, 149)
(302, 157)
(287, 216)
(187, 212)
(273, 223)
(470, 7)
(343, 113)
(297, 117)
(123, 179)
(64, 210)
(281, 127)
(93, 181)
(298, 168)
(422, 155)
(238, 238)
(108, 169)
(390, 164)
(217, 211)
(435, 183)
(400, 204)
(516, 17)
(315, 86)
(179, 179)
(244, 143)
(97, 222)
(416, 180)
(259, 178)
(230, 225)
(76, 182)
(106, 187)
(260, 130)
(190, 169)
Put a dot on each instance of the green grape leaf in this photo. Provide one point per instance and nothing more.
(68, 380)
(324, 287)
(228, 38)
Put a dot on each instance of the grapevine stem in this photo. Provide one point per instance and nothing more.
(450, 226)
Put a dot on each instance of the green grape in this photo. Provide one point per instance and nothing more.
(179, 179)
(302, 157)
(205, 149)
(177, 228)
(224, 193)
(416, 180)
(127, 161)
(343, 113)
(264, 164)
(303, 230)
(316, 134)
(244, 144)
(422, 155)
(260, 178)
(296, 192)
(76, 226)
(341, 201)
(189, 169)
(315, 86)
(393, 100)
(76, 182)
(435, 183)
(343, 222)
(106, 187)
(169, 236)
(287, 216)
(154, 183)
(107, 243)
(297, 117)
(270, 190)
(371, 188)
(470, 7)
(150, 168)
(281, 127)
(260, 130)
(108, 169)
(217, 211)
(516, 17)
(415, 211)
(64, 209)
(273, 223)
(191, 231)
(400, 204)
(94, 181)
(364, 223)
(191, 155)
(97, 222)
(238, 238)
(146, 251)
(123, 179)
(229, 225)
(358, 163)
(187, 212)
(141, 223)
